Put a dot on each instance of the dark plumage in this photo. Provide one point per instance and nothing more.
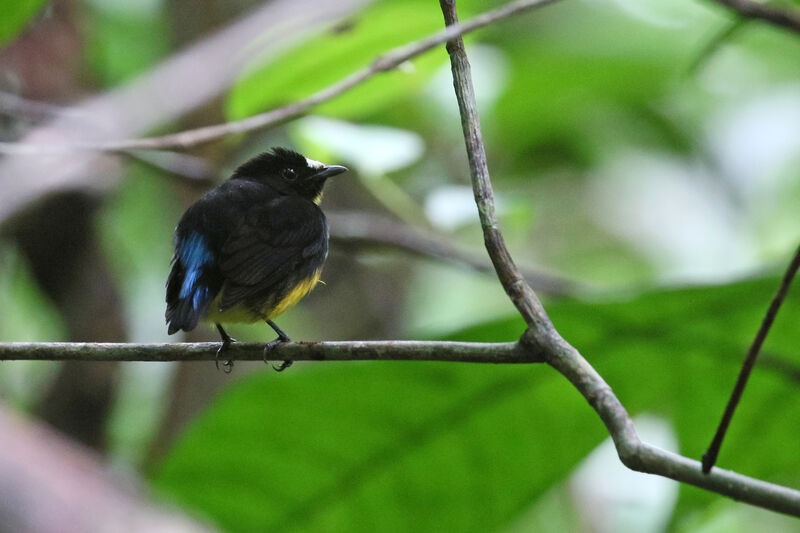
(253, 246)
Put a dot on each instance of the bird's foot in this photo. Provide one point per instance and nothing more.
(271, 346)
(282, 338)
(227, 364)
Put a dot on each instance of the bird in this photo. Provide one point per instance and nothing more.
(250, 248)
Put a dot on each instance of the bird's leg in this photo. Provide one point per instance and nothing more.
(226, 341)
(282, 337)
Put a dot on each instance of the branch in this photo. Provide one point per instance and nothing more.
(177, 85)
(467, 352)
(710, 457)
(637, 455)
(543, 339)
(194, 169)
(359, 230)
(511, 278)
(385, 62)
(788, 20)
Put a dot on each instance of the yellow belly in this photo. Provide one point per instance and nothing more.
(241, 313)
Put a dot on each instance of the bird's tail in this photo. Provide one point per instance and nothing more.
(182, 315)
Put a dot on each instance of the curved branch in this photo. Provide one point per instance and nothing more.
(387, 61)
(543, 339)
(788, 20)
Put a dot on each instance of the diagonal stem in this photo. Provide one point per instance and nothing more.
(710, 457)
(541, 337)
(511, 278)
(279, 115)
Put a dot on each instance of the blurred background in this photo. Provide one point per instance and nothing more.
(646, 161)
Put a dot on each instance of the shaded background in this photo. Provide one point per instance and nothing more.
(645, 155)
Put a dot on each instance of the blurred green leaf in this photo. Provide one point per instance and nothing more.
(16, 13)
(357, 447)
(123, 39)
(329, 57)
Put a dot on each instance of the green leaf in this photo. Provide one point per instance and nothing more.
(16, 13)
(124, 39)
(329, 57)
(432, 447)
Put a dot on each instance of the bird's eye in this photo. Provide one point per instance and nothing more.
(289, 174)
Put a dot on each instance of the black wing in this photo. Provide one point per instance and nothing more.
(277, 245)
(195, 278)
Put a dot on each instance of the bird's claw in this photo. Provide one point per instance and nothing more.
(271, 346)
(283, 366)
(227, 364)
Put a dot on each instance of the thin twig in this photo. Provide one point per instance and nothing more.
(360, 230)
(786, 19)
(543, 339)
(710, 457)
(385, 62)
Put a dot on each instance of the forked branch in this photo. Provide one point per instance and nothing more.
(542, 339)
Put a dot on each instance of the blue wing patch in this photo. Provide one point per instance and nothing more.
(194, 255)
(189, 301)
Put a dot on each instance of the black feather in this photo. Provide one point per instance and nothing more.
(261, 235)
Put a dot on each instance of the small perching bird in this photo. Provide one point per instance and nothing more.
(252, 247)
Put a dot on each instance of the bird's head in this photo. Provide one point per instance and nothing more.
(289, 173)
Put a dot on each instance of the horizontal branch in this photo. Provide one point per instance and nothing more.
(634, 453)
(385, 62)
(466, 352)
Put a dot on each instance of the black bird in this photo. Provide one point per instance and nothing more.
(252, 247)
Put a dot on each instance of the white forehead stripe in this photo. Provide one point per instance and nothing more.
(313, 164)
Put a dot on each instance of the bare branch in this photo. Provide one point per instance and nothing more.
(634, 453)
(468, 352)
(360, 230)
(710, 457)
(788, 20)
(382, 63)
(542, 338)
(644, 457)
(180, 83)
(511, 278)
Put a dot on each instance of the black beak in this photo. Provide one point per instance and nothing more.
(329, 171)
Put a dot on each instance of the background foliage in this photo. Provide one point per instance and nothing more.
(632, 149)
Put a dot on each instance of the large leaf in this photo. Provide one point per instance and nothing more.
(16, 13)
(431, 447)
